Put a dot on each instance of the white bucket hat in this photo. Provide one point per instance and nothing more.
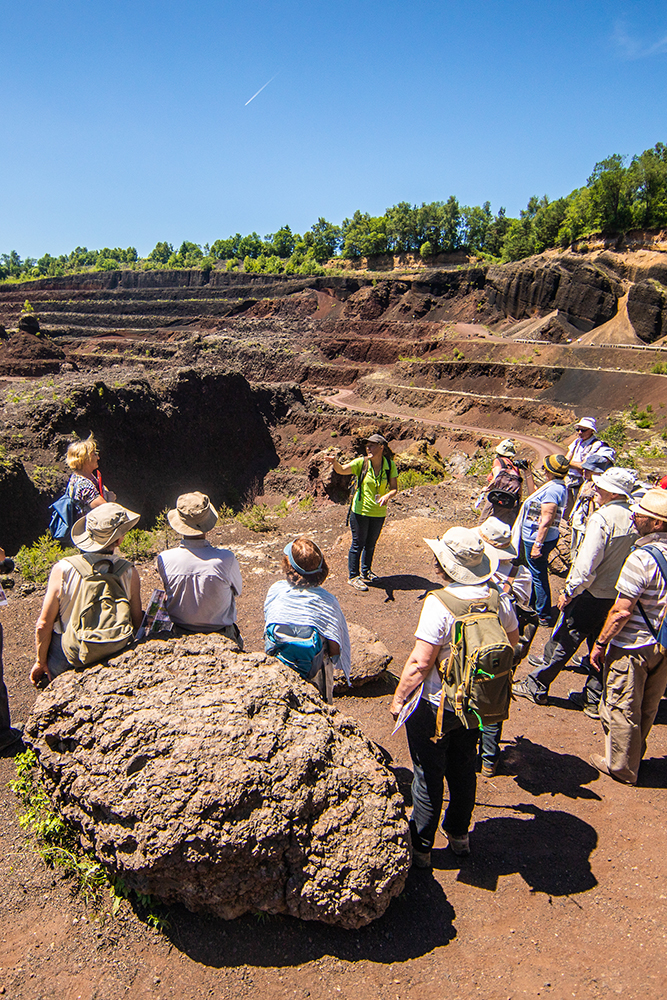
(497, 538)
(506, 447)
(102, 526)
(589, 422)
(616, 480)
(461, 554)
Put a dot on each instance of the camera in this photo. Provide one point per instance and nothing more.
(521, 463)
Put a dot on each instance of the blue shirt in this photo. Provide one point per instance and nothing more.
(553, 491)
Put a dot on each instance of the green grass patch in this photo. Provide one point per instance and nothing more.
(411, 477)
(34, 562)
(255, 518)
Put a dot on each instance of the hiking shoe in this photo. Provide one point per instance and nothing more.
(357, 583)
(590, 708)
(488, 770)
(369, 576)
(8, 737)
(520, 689)
(421, 859)
(460, 845)
(545, 622)
(535, 661)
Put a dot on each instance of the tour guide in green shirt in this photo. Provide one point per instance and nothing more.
(369, 506)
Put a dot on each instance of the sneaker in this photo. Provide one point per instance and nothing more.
(545, 622)
(520, 689)
(590, 708)
(369, 576)
(535, 661)
(421, 859)
(488, 770)
(8, 737)
(357, 583)
(459, 845)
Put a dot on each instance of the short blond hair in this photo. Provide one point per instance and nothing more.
(79, 452)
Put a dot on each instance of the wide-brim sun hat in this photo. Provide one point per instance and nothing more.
(194, 514)
(497, 539)
(588, 422)
(557, 465)
(653, 504)
(102, 526)
(506, 447)
(462, 555)
(616, 480)
(597, 463)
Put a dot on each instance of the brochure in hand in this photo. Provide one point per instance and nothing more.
(408, 708)
(156, 616)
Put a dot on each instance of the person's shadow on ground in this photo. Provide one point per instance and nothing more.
(404, 581)
(541, 771)
(417, 921)
(550, 851)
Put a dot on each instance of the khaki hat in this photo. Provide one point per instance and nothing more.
(102, 526)
(497, 539)
(653, 503)
(506, 447)
(461, 554)
(616, 480)
(194, 514)
(557, 465)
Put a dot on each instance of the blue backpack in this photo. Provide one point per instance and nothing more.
(63, 517)
(298, 646)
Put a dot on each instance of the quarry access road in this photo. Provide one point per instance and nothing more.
(341, 399)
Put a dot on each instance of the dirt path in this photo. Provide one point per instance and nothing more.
(343, 397)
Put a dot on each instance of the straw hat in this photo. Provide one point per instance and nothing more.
(461, 554)
(194, 514)
(102, 526)
(557, 465)
(653, 503)
(497, 539)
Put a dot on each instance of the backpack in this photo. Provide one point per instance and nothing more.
(298, 646)
(101, 623)
(477, 679)
(64, 515)
(505, 489)
(661, 635)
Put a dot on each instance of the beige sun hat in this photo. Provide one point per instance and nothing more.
(617, 480)
(653, 503)
(194, 514)
(462, 555)
(507, 448)
(497, 538)
(102, 526)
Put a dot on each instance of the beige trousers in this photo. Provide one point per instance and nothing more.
(634, 683)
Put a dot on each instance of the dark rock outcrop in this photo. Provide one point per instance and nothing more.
(647, 310)
(221, 780)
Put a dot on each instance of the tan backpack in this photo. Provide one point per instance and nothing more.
(477, 678)
(101, 624)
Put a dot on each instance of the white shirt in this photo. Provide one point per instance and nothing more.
(201, 584)
(435, 627)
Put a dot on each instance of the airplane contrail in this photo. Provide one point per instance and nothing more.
(260, 90)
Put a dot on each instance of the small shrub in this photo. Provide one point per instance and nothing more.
(659, 368)
(45, 477)
(334, 434)
(254, 518)
(140, 545)
(615, 434)
(411, 477)
(307, 502)
(225, 512)
(458, 355)
(281, 509)
(34, 562)
(482, 462)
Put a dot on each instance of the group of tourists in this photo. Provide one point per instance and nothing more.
(472, 633)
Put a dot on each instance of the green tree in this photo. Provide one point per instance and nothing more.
(610, 201)
(160, 253)
(326, 239)
(282, 243)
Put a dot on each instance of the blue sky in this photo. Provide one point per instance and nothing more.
(126, 123)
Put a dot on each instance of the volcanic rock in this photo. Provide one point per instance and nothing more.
(220, 780)
(370, 658)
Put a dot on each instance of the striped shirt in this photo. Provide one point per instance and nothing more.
(641, 578)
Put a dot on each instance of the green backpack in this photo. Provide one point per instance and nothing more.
(477, 679)
(101, 623)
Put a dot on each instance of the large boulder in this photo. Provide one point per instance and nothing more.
(221, 780)
(370, 658)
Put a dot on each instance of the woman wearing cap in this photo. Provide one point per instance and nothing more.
(378, 484)
(300, 599)
(464, 569)
(536, 530)
(99, 534)
(85, 484)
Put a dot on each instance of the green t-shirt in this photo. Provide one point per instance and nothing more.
(372, 484)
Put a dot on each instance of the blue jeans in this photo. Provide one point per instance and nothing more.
(454, 759)
(365, 533)
(491, 734)
(539, 570)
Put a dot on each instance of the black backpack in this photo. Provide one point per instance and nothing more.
(505, 490)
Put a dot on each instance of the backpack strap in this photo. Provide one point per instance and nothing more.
(459, 607)
(86, 567)
(654, 551)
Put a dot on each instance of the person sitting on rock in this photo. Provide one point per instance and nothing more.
(99, 534)
(300, 600)
(85, 484)
(201, 582)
